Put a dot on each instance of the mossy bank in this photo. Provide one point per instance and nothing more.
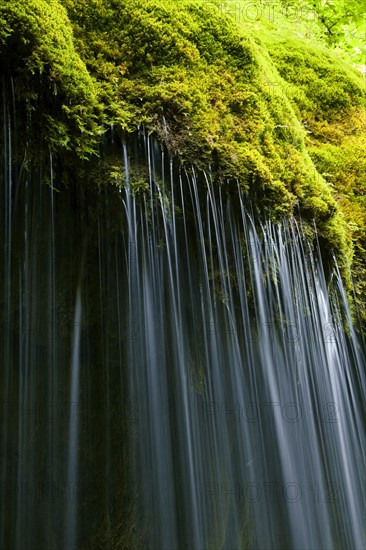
(282, 115)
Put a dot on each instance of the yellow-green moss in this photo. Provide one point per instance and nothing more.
(270, 108)
(37, 50)
(329, 96)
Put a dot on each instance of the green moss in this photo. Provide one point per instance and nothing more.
(328, 95)
(37, 50)
(262, 102)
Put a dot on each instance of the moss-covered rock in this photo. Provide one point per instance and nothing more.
(259, 104)
(328, 95)
(51, 80)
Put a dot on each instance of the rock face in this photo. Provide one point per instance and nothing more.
(278, 112)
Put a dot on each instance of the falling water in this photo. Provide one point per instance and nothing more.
(250, 430)
(175, 373)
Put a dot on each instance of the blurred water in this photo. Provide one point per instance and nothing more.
(248, 387)
(174, 373)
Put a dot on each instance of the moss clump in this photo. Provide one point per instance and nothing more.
(37, 51)
(328, 95)
(345, 165)
(259, 105)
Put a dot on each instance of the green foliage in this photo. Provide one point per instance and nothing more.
(342, 23)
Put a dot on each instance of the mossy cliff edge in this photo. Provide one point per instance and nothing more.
(282, 115)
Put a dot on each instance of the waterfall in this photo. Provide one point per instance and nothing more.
(176, 372)
(249, 428)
